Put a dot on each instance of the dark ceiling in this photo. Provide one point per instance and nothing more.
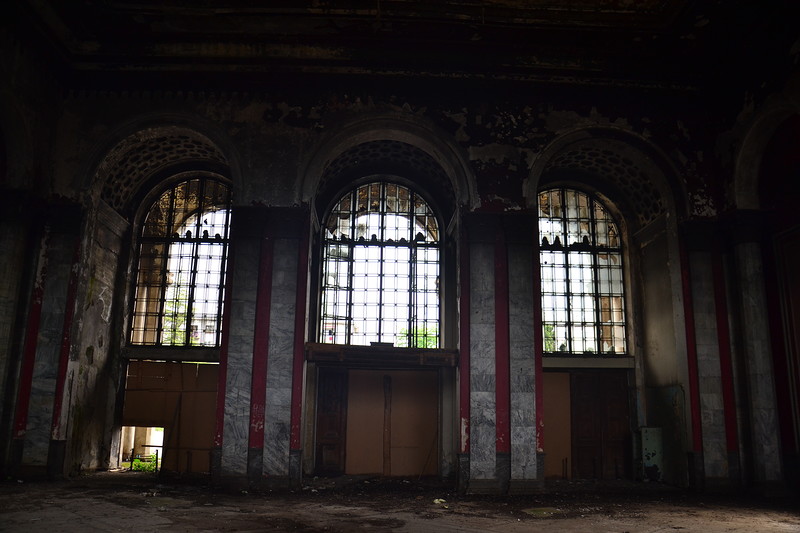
(680, 44)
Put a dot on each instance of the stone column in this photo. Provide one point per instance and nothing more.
(756, 354)
(286, 227)
(260, 362)
(521, 230)
(16, 269)
(483, 429)
(701, 239)
(247, 226)
(40, 374)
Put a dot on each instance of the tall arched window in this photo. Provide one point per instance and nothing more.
(180, 279)
(583, 297)
(380, 269)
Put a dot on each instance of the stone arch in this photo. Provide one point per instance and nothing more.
(635, 173)
(747, 170)
(388, 133)
(153, 148)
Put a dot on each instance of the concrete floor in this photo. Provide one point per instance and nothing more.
(127, 501)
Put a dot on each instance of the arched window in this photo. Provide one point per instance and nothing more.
(180, 279)
(583, 297)
(380, 269)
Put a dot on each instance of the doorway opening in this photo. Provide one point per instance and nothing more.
(141, 448)
(587, 416)
(377, 422)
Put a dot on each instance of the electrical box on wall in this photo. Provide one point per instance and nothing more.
(652, 453)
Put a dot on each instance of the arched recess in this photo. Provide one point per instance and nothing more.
(749, 160)
(140, 161)
(409, 379)
(779, 196)
(638, 186)
(764, 240)
(413, 131)
(150, 148)
(624, 165)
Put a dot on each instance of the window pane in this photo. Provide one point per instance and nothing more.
(389, 261)
(180, 278)
(581, 275)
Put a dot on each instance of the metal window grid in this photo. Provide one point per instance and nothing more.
(380, 269)
(180, 279)
(583, 300)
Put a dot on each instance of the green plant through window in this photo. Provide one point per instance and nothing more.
(380, 269)
(180, 277)
(583, 300)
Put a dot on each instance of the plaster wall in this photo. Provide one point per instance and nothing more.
(660, 357)
(93, 371)
(663, 360)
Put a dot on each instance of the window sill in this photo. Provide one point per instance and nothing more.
(380, 356)
(579, 361)
(194, 354)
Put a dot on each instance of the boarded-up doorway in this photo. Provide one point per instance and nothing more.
(387, 424)
(181, 398)
(601, 434)
(557, 425)
(587, 425)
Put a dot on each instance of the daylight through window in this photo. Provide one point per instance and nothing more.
(583, 301)
(380, 269)
(181, 273)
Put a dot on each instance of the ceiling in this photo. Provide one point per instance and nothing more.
(657, 43)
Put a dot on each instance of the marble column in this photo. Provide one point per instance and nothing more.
(483, 431)
(521, 229)
(286, 226)
(756, 351)
(247, 226)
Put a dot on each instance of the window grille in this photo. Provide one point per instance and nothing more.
(583, 300)
(180, 279)
(380, 269)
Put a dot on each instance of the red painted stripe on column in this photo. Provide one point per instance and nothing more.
(691, 352)
(538, 336)
(258, 387)
(502, 342)
(463, 341)
(299, 339)
(725, 359)
(56, 428)
(31, 339)
(222, 377)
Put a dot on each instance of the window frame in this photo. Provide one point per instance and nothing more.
(383, 180)
(623, 357)
(185, 351)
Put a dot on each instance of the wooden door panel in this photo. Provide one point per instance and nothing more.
(331, 421)
(600, 425)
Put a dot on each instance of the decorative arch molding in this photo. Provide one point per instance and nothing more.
(636, 172)
(395, 128)
(148, 147)
(747, 170)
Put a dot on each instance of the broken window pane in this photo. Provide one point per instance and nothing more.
(581, 275)
(380, 279)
